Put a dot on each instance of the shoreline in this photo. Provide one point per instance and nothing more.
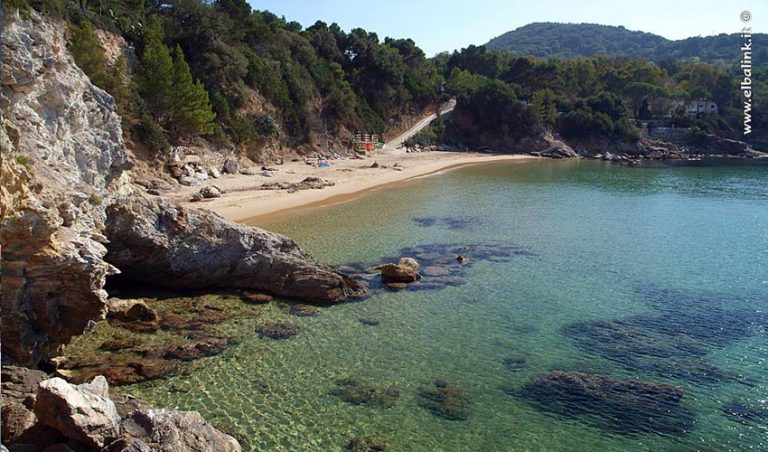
(245, 203)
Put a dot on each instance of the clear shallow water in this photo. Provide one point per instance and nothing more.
(679, 254)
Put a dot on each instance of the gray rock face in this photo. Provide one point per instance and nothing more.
(82, 413)
(194, 249)
(63, 157)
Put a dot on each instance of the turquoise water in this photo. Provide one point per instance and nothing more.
(673, 258)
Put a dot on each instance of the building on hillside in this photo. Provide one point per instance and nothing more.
(694, 107)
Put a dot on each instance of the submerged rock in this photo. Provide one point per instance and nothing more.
(366, 444)
(672, 343)
(303, 310)
(281, 329)
(448, 222)
(120, 369)
(621, 406)
(120, 344)
(255, 298)
(445, 400)
(359, 393)
(199, 321)
(744, 413)
(196, 350)
(515, 363)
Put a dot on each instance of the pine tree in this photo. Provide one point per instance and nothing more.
(190, 107)
(155, 81)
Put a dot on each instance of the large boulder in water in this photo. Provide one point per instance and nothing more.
(155, 242)
(622, 406)
(396, 273)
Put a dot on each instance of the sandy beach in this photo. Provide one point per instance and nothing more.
(244, 201)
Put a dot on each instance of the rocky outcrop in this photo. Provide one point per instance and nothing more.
(63, 158)
(195, 249)
(546, 145)
(51, 414)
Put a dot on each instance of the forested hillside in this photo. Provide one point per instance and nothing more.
(236, 76)
(590, 98)
(547, 39)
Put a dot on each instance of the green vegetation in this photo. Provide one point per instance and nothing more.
(24, 162)
(586, 40)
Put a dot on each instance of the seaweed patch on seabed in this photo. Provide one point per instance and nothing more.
(674, 343)
(440, 265)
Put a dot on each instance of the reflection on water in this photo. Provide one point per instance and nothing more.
(605, 308)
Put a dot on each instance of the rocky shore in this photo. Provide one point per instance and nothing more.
(547, 144)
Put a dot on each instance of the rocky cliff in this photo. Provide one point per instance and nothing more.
(67, 191)
(63, 158)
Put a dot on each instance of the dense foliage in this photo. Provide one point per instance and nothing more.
(586, 40)
(590, 97)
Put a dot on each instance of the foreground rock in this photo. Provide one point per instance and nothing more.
(621, 406)
(83, 413)
(196, 249)
(51, 414)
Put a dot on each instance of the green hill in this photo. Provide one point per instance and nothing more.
(547, 39)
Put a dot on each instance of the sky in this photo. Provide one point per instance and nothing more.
(446, 25)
